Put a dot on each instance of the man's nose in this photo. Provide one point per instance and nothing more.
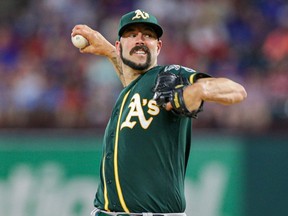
(140, 38)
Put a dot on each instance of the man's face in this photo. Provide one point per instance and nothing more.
(139, 47)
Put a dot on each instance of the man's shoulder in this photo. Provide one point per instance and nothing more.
(177, 68)
(172, 68)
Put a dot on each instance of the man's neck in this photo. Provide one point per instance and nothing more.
(130, 74)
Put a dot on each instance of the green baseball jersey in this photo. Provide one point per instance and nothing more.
(145, 151)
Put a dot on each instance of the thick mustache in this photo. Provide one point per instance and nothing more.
(136, 48)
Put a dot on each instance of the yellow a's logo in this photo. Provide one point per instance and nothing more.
(140, 14)
(136, 110)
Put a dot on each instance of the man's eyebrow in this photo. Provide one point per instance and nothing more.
(149, 29)
(129, 29)
(133, 28)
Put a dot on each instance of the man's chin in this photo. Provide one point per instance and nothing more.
(140, 67)
(137, 66)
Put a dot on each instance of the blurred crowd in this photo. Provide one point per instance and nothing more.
(46, 82)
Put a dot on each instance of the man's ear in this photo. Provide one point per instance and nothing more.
(159, 46)
(117, 46)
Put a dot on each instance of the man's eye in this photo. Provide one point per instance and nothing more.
(132, 35)
(147, 35)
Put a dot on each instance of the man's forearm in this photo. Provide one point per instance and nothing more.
(117, 66)
(99, 45)
(218, 90)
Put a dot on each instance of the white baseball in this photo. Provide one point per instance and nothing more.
(79, 41)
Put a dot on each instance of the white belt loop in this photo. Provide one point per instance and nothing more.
(147, 214)
(174, 214)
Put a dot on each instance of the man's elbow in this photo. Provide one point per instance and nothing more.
(236, 96)
(240, 95)
(243, 93)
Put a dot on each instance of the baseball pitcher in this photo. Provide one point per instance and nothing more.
(147, 139)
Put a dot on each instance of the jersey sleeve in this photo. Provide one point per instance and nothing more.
(194, 77)
(191, 75)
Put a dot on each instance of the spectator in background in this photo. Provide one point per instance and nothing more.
(237, 36)
(275, 45)
(275, 49)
